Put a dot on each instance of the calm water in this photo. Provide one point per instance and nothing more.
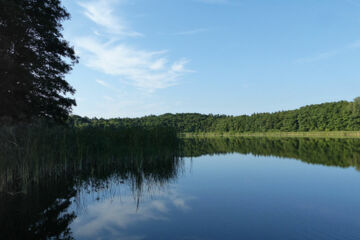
(244, 188)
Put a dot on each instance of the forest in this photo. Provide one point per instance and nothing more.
(36, 59)
(332, 116)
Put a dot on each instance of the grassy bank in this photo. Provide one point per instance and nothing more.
(318, 134)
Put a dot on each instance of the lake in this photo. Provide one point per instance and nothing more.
(217, 188)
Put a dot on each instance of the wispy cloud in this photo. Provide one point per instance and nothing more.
(108, 98)
(318, 57)
(111, 87)
(115, 216)
(101, 13)
(191, 32)
(222, 2)
(144, 69)
(102, 83)
(213, 1)
(353, 2)
(328, 54)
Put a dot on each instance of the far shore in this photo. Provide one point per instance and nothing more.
(317, 134)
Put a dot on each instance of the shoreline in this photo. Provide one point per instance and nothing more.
(315, 134)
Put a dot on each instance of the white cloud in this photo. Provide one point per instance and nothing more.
(113, 216)
(213, 1)
(160, 206)
(318, 57)
(101, 13)
(158, 64)
(143, 69)
(102, 83)
(222, 2)
(179, 65)
(108, 98)
(329, 54)
(192, 32)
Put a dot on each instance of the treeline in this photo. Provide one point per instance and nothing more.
(333, 116)
(328, 152)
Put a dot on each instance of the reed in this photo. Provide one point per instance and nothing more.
(32, 153)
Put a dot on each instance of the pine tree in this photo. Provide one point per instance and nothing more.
(34, 58)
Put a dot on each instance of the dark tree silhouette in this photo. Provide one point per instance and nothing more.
(34, 58)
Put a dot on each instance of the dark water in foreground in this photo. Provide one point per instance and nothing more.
(241, 188)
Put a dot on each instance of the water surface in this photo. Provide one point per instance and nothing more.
(237, 188)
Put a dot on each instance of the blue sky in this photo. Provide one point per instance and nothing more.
(142, 57)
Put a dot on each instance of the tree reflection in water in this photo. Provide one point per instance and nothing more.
(35, 195)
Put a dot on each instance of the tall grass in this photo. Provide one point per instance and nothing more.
(31, 153)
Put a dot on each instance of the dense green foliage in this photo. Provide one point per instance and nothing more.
(34, 58)
(341, 115)
(331, 152)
